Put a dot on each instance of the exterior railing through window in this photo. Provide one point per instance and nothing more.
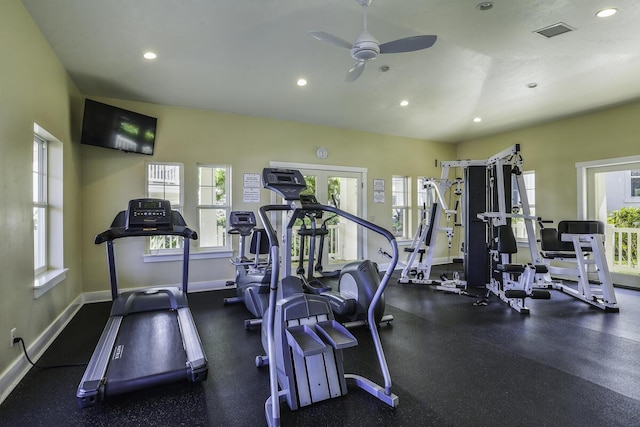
(621, 245)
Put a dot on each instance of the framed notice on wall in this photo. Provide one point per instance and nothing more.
(251, 188)
(251, 180)
(378, 190)
(251, 195)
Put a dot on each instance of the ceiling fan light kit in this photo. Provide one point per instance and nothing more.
(366, 47)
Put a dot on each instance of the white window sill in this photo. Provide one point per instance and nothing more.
(177, 256)
(46, 281)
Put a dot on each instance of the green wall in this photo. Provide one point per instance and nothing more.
(111, 178)
(34, 87)
(553, 149)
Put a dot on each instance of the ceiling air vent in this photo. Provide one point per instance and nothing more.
(554, 30)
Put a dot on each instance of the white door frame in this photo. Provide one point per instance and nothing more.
(332, 168)
(583, 169)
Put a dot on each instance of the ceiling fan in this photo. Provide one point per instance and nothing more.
(366, 47)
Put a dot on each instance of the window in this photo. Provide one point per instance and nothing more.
(48, 224)
(40, 207)
(164, 181)
(632, 186)
(214, 205)
(400, 206)
(518, 224)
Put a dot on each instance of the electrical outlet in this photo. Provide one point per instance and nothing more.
(13, 335)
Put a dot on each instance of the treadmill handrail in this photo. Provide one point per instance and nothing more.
(118, 230)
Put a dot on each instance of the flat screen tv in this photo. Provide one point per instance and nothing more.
(112, 127)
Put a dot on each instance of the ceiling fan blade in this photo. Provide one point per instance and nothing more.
(355, 71)
(330, 38)
(408, 44)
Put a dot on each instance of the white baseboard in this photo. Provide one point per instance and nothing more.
(400, 266)
(16, 371)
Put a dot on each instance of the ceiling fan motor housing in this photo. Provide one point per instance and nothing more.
(365, 53)
(365, 48)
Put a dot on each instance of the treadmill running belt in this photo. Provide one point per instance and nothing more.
(148, 351)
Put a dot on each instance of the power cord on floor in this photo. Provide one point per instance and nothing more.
(24, 349)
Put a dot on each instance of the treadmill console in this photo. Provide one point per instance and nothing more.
(288, 183)
(149, 214)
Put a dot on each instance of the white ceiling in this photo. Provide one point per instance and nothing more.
(244, 56)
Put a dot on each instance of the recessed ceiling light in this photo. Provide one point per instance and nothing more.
(532, 85)
(485, 5)
(150, 55)
(383, 68)
(301, 82)
(606, 12)
(404, 103)
(477, 120)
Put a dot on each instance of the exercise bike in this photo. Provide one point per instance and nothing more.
(252, 274)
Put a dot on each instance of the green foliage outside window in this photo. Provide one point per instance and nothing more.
(625, 218)
(221, 195)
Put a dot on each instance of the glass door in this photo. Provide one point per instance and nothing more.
(341, 244)
(336, 186)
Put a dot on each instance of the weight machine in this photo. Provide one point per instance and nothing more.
(511, 282)
(578, 242)
(417, 267)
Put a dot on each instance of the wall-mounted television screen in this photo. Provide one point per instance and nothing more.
(112, 127)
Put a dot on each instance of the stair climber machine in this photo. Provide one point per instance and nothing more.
(300, 335)
(357, 282)
(150, 337)
(252, 274)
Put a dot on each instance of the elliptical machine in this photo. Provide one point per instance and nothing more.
(303, 341)
(356, 283)
(314, 262)
(252, 275)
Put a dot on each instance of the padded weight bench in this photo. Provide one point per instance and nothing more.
(582, 244)
(511, 282)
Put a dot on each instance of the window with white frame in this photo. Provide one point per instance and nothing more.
(518, 224)
(214, 205)
(40, 206)
(165, 181)
(400, 206)
(48, 221)
(632, 186)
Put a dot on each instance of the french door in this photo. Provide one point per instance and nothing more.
(343, 188)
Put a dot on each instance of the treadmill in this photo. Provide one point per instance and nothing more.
(150, 337)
